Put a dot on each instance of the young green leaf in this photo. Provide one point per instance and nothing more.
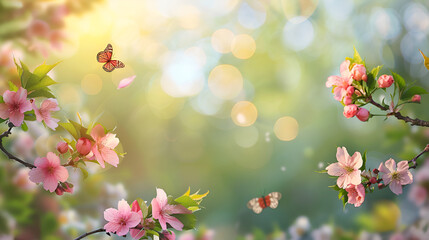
(399, 82)
(188, 220)
(410, 92)
(364, 162)
(43, 92)
(24, 127)
(71, 129)
(12, 86)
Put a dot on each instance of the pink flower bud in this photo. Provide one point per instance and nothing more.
(358, 72)
(350, 111)
(380, 185)
(375, 170)
(416, 98)
(59, 190)
(385, 81)
(347, 100)
(373, 180)
(83, 146)
(362, 114)
(62, 147)
(68, 187)
(350, 90)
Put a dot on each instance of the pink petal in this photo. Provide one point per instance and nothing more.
(396, 187)
(406, 177)
(355, 161)
(41, 162)
(110, 141)
(21, 95)
(4, 111)
(111, 215)
(123, 207)
(137, 233)
(52, 123)
(133, 219)
(135, 206)
(39, 116)
(126, 82)
(402, 166)
(161, 197)
(97, 132)
(390, 165)
(25, 106)
(98, 156)
(122, 230)
(342, 155)
(344, 69)
(355, 178)
(387, 178)
(333, 81)
(177, 209)
(61, 173)
(110, 156)
(174, 222)
(341, 181)
(50, 105)
(16, 118)
(112, 227)
(36, 175)
(338, 93)
(9, 97)
(53, 159)
(335, 169)
(50, 183)
(156, 209)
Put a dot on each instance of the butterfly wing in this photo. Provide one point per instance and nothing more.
(106, 55)
(274, 199)
(118, 64)
(254, 205)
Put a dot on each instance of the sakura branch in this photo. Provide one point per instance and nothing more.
(19, 105)
(356, 86)
(157, 219)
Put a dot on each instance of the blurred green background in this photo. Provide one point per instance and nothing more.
(183, 123)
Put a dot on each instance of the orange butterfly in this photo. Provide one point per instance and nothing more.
(271, 200)
(106, 57)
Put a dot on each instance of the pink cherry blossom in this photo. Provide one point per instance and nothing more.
(347, 168)
(347, 100)
(396, 177)
(161, 210)
(358, 72)
(356, 194)
(14, 106)
(49, 172)
(340, 83)
(126, 82)
(38, 28)
(44, 112)
(350, 111)
(362, 114)
(137, 232)
(122, 219)
(385, 81)
(103, 148)
(83, 146)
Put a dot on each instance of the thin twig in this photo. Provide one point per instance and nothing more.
(90, 233)
(398, 115)
(8, 154)
(414, 160)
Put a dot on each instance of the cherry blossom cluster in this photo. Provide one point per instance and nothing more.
(32, 100)
(354, 181)
(355, 87)
(157, 219)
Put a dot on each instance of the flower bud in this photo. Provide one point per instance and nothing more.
(350, 111)
(68, 187)
(416, 98)
(362, 114)
(83, 146)
(62, 147)
(380, 185)
(375, 170)
(385, 81)
(358, 72)
(59, 190)
(373, 180)
(347, 100)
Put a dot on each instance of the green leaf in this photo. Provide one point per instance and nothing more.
(357, 58)
(189, 220)
(364, 162)
(186, 201)
(24, 127)
(149, 231)
(335, 187)
(372, 76)
(399, 82)
(37, 83)
(30, 116)
(322, 171)
(342, 195)
(25, 77)
(12, 86)
(44, 69)
(82, 131)
(410, 92)
(43, 92)
(1, 99)
(71, 129)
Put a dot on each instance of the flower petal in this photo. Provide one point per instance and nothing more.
(396, 187)
(123, 207)
(36, 175)
(50, 183)
(110, 156)
(111, 215)
(342, 155)
(126, 82)
(390, 165)
(61, 173)
(355, 161)
(174, 222)
(112, 227)
(4, 111)
(97, 132)
(137, 233)
(161, 197)
(16, 118)
(336, 169)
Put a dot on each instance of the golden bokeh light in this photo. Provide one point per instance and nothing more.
(91, 84)
(222, 40)
(244, 114)
(243, 46)
(286, 128)
(295, 8)
(225, 81)
(189, 17)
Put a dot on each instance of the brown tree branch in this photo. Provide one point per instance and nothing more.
(8, 154)
(90, 233)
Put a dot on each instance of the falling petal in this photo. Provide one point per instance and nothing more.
(126, 82)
